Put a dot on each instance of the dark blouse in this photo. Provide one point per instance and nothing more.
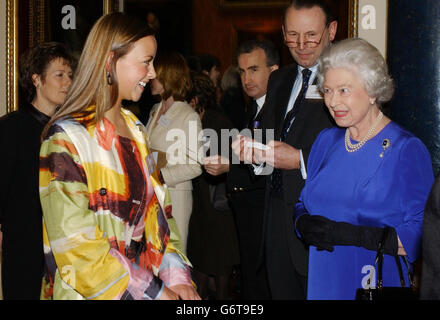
(20, 209)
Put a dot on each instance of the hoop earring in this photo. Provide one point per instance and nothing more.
(109, 79)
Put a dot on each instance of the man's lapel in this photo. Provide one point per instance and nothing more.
(285, 90)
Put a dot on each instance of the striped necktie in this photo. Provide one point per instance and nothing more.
(277, 177)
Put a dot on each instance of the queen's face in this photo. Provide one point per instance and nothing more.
(135, 69)
(347, 99)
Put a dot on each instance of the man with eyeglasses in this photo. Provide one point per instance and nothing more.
(297, 114)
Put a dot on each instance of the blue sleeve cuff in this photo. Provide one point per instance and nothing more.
(411, 241)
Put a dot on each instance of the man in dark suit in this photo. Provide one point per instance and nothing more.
(297, 114)
(256, 61)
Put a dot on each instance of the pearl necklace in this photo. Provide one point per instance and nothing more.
(355, 147)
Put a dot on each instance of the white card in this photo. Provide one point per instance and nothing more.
(314, 93)
(257, 145)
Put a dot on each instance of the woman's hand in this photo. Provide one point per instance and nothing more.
(216, 165)
(185, 292)
(401, 250)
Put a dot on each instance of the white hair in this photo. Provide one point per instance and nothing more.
(365, 60)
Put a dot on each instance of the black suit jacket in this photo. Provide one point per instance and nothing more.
(240, 176)
(247, 197)
(310, 120)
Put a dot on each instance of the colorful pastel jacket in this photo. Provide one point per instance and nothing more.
(105, 237)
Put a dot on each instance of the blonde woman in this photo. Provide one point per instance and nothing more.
(173, 130)
(108, 231)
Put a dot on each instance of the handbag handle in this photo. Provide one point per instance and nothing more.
(379, 263)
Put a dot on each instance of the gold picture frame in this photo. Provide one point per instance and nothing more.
(353, 18)
(11, 55)
(36, 35)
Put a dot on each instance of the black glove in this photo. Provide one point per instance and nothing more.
(316, 231)
(324, 234)
(346, 234)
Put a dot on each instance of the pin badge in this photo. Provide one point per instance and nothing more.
(385, 145)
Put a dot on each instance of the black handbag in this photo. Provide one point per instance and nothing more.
(389, 293)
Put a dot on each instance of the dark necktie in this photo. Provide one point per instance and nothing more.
(277, 178)
(252, 113)
(299, 99)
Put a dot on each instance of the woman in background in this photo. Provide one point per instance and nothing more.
(232, 100)
(108, 229)
(45, 78)
(173, 129)
(212, 237)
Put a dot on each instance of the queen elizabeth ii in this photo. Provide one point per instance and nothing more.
(364, 176)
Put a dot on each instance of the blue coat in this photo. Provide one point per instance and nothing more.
(374, 186)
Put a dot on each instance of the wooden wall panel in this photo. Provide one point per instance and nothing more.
(217, 30)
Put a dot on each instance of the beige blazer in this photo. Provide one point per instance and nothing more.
(176, 134)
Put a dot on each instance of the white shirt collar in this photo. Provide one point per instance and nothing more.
(260, 102)
(314, 69)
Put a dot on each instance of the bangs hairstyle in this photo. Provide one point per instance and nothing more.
(36, 61)
(362, 58)
(173, 73)
(115, 32)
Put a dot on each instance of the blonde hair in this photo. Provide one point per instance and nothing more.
(116, 33)
(173, 73)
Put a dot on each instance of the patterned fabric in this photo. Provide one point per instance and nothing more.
(107, 226)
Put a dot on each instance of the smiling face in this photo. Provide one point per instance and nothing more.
(254, 72)
(52, 88)
(307, 25)
(348, 101)
(135, 69)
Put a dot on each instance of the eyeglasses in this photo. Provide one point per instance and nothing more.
(306, 44)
